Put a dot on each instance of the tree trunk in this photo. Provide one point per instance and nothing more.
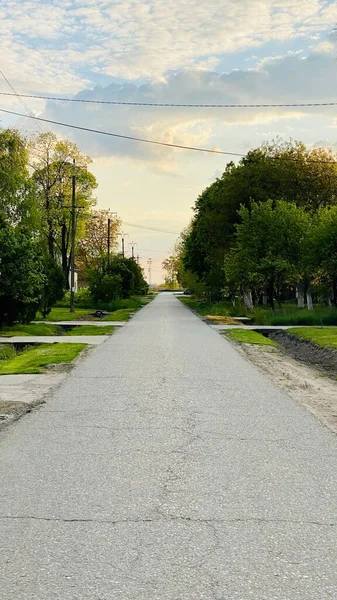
(270, 293)
(334, 291)
(309, 300)
(248, 299)
(300, 296)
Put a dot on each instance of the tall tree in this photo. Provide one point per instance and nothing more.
(52, 160)
(93, 243)
(280, 170)
(269, 249)
(17, 190)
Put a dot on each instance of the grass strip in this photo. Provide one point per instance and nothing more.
(322, 336)
(90, 330)
(32, 329)
(247, 336)
(123, 314)
(35, 359)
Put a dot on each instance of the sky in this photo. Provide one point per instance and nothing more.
(178, 51)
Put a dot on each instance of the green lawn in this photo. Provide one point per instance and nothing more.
(246, 336)
(64, 314)
(325, 336)
(90, 330)
(35, 359)
(123, 314)
(32, 329)
(288, 314)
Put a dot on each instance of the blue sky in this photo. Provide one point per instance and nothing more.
(207, 51)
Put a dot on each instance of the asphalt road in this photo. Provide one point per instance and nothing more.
(168, 468)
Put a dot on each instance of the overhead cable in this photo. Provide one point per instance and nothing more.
(173, 105)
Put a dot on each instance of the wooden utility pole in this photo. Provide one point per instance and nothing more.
(73, 237)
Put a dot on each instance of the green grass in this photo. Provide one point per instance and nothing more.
(7, 351)
(36, 359)
(246, 336)
(123, 314)
(32, 329)
(90, 330)
(63, 314)
(289, 314)
(120, 310)
(325, 336)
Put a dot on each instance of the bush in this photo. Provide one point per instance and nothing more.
(7, 352)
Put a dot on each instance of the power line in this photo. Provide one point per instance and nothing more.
(172, 105)
(151, 228)
(117, 135)
(19, 97)
(156, 143)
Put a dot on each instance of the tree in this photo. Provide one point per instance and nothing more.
(322, 251)
(116, 277)
(171, 266)
(93, 243)
(269, 249)
(21, 275)
(17, 190)
(287, 170)
(52, 161)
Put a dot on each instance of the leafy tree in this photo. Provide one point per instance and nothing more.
(322, 252)
(22, 278)
(17, 190)
(52, 161)
(171, 266)
(116, 277)
(287, 170)
(269, 249)
(93, 244)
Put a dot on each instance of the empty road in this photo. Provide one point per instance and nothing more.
(168, 468)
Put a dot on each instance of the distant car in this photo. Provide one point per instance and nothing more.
(186, 292)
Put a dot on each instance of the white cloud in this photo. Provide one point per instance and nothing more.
(287, 79)
(59, 40)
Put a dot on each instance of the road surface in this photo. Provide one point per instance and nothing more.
(168, 468)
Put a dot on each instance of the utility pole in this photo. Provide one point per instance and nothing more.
(137, 259)
(73, 235)
(123, 235)
(133, 244)
(109, 235)
(149, 263)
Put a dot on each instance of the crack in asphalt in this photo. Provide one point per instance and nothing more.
(171, 519)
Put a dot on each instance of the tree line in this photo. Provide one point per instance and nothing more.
(266, 230)
(35, 229)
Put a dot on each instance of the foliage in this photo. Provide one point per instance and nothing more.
(278, 171)
(322, 252)
(17, 190)
(22, 277)
(116, 277)
(54, 285)
(171, 266)
(7, 352)
(94, 242)
(55, 162)
(287, 315)
(268, 252)
(35, 359)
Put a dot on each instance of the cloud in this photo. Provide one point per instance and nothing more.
(288, 79)
(63, 43)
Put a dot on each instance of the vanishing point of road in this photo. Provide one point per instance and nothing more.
(166, 467)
